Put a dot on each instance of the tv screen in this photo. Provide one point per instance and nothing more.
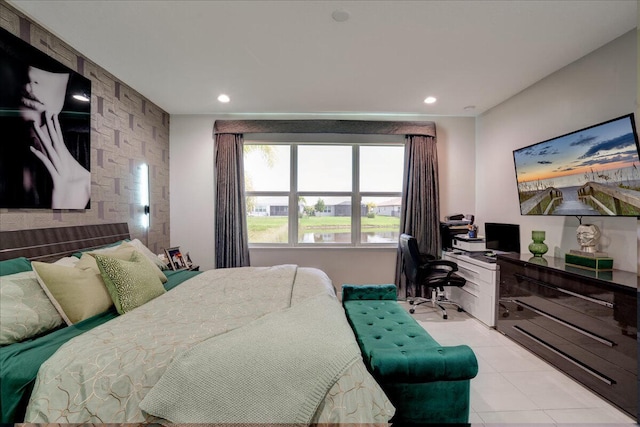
(502, 237)
(592, 171)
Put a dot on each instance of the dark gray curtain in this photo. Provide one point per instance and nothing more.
(231, 245)
(420, 216)
(420, 213)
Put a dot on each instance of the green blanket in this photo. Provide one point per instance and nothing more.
(276, 369)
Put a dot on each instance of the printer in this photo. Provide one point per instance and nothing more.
(469, 244)
(452, 226)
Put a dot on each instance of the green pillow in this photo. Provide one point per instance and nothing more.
(121, 252)
(25, 310)
(15, 265)
(130, 283)
(77, 294)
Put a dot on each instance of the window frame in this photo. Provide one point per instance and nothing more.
(293, 195)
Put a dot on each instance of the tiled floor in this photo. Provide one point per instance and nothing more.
(514, 386)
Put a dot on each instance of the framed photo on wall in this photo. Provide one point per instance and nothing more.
(45, 117)
(176, 260)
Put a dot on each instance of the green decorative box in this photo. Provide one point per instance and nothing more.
(589, 263)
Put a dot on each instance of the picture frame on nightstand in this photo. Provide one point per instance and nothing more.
(187, 260)
(176, 260)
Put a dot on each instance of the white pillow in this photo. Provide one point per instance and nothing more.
(68, 261)
(140, 247)
(25, 310)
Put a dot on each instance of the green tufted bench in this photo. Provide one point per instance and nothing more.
(426, 382)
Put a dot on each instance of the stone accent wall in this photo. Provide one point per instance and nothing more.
(126, 131)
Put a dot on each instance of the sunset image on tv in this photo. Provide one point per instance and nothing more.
(593, 171)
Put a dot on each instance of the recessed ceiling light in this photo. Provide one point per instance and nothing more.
(340, 15)
(224, 98)
(430, 100)
(470, 108)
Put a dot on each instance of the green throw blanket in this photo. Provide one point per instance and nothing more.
(276, 369)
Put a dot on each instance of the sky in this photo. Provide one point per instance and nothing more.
(609, 146)
(327, 168)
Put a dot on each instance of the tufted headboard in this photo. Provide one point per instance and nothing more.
(49, 244)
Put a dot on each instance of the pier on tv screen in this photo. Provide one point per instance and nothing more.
(589, 172)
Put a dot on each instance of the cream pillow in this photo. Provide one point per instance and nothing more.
(77, 294)
(69, 261)
(140, 247)
(25, 311)
(130, 283)
(123, 252)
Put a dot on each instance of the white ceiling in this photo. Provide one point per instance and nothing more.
(292, 57)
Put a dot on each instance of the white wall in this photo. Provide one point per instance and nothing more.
(191, 187)
(192, 203)
(598, 87)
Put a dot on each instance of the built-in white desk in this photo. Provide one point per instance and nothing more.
(479, 295)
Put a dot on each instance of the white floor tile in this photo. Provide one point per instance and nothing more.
(554, 390)
(512, 359)
(500, 401)
(516, 417)
(599, 416)
(514, 386)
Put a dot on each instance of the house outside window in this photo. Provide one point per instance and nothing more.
(304, 193)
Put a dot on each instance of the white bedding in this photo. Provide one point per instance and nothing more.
(102, 375)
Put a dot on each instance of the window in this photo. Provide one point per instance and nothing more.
(303, 193)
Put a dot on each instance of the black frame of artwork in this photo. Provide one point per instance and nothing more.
(25, 181)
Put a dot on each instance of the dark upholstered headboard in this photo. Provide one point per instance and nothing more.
(49, 244)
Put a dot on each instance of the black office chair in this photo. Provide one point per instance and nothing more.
(429, 275)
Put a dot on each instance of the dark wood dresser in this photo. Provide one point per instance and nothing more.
(582, 322)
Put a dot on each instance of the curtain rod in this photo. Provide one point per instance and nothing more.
(425, 128)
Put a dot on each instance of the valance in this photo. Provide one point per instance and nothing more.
(326, 126)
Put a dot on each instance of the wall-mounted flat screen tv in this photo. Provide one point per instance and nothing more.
(45, 123)
(592, 171)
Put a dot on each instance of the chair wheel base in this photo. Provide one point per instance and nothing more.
(460, 309)
(411, 302)
(412, 310)
(445, 317)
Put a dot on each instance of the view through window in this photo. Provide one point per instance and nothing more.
(304, 193)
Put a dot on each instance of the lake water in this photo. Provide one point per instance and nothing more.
(345, 237)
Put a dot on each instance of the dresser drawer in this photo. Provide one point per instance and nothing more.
(586, 305)
(583, 323)
(611, 375)
(598, 339)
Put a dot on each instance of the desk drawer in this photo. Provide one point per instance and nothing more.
(474, 273)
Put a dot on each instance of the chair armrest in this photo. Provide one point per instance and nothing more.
(443, 263)
(426, 258)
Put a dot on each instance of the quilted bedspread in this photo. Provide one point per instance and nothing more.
(102, 375)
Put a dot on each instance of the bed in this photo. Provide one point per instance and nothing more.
(242, 345)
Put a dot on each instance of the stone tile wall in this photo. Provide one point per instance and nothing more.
(126, 131)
